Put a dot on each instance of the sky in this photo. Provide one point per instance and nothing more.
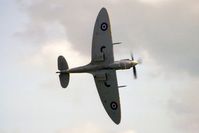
(163, 33)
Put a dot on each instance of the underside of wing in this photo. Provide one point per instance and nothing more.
(106, 83)
(102, 47)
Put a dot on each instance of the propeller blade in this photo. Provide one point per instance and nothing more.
(132, 56)
(134, 68)
(134, 72)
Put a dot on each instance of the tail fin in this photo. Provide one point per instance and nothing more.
(62, 67)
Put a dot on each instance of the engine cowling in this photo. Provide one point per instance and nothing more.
(123, 64)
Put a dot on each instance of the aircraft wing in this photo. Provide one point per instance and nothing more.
(106, 83)
(102, 46)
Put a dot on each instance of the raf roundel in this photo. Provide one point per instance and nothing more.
(113, 105)
(104, 26)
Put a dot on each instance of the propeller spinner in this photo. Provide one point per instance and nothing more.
(134, 63)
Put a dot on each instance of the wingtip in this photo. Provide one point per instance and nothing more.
(117, 122)
(103, 9)
(117, 119)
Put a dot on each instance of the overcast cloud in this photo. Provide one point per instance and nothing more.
(164, 33)
(168, 30)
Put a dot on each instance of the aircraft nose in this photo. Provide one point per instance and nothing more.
(134, 63)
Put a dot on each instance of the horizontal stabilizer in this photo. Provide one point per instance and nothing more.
(63, 74)
(62, 64)
(64, 79)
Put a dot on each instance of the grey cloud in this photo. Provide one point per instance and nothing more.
(169, 32)
(186, 108)
(72, 15)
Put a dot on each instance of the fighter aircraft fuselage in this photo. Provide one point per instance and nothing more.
(90, 68)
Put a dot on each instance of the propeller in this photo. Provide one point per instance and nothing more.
(134, 72)
(135, 63)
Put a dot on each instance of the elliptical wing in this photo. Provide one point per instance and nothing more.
(102, 46)
(102, 53)
(106, 83)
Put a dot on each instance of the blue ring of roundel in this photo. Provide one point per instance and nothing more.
(104, 26)
(113, 105)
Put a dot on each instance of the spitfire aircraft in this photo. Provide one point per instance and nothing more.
(102, 67)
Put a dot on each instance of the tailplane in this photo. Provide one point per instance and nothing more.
(63, 74)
